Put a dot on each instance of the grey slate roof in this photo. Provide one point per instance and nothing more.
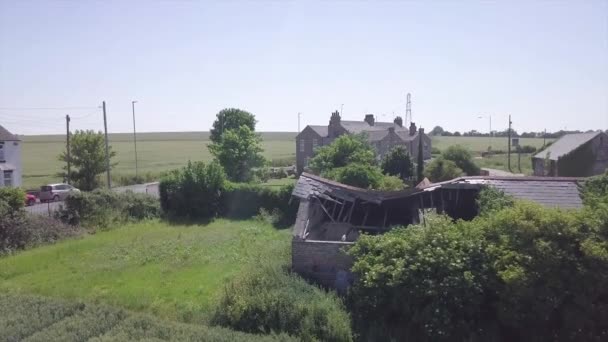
(321, 130)
(566, 144)
(376, 135)
(362, 126)
(405, 135)
(5, 135)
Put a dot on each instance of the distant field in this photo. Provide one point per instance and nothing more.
(158, 152)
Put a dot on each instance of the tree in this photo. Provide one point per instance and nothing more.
(398, 163)
(238, 151)
(462, 158)
(441, 169)
(88, 158)
(438, 130)
(231, 118)
(360, 175)
(345, 150)
(420, 166)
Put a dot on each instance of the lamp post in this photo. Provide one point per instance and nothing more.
(134, 136)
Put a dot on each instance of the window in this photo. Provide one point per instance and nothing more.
(302, 145)
(315, 143)
(2, 152)
(8, 178)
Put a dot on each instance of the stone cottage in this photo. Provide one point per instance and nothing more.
(573, 155)
(383, 136)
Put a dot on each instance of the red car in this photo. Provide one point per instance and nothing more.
(30, 200)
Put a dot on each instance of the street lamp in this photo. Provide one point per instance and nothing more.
(134, 136)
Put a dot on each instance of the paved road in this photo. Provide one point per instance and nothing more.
(50, 208)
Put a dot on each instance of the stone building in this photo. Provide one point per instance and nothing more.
(383, 136)
(573, 155)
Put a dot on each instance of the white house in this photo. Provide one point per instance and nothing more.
(10, 158)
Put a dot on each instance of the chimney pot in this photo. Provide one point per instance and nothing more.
(413, 129)
(398, 121)
(369, 118)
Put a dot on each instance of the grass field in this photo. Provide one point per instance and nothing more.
(158, 152)
(172, 271)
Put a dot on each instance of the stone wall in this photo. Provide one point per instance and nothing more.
(323, 262)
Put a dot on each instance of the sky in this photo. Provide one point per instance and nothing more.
(545, 63)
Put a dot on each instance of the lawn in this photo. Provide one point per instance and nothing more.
(172, 271)
(480, 144)
(500, 162)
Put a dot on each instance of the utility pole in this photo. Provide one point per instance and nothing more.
(67, 125)
(134, 136)
(509, 145)
(105, 127)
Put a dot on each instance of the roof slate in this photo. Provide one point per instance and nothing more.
(5, 135)
(566, 144)
(321, 130)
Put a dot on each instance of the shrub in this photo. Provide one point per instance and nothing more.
(12, 199)
(463, 158)
(435, 151)
(243, 201)
(193, 192)
(391, 183)
(528, 149)
(441, 169)
(269, 300)
(103, 208)
(346, 150)
(398, 163)
(360, 175)
(491, 199)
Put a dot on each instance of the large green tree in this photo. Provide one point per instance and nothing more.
(463, 158)
(441, 169)
(398, 163)
(239, 151)
(230, 119)
(346, 149)
(88, 158)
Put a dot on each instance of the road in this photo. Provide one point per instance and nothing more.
(50, 208)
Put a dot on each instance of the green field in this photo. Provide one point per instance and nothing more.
(174, 272)
(158, 152)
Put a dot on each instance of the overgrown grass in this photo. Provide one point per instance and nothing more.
(174, 272)
(32, 318)
(480, 144)
(280, 182)
(500, 162)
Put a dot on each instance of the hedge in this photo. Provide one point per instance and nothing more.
(243, 201)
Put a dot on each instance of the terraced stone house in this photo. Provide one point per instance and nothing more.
(383, 136)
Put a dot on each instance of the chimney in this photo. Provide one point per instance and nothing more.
(398, 121)
(412, 128)
(391, 129)
(421, 131)
(369, 118)
(334, 123)
(335, 118)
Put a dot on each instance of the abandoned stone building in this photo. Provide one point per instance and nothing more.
(331, 215)
(574, 155)
(383, 136)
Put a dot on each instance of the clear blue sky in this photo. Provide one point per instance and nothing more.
(543, 62)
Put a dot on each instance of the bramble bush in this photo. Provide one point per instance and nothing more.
(268, 299)
(103, 208)
(519, 271)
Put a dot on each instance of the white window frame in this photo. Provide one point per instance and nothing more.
(302, 145)
(8, 181)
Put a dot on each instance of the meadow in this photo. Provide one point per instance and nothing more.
(172, 271)
(159, 152)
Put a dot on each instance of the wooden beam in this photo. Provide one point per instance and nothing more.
(350, 213)
(385, 215)
(366, 214)
(333, 211)
(327, 212)
(341, 210)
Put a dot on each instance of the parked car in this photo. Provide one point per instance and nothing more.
(56, 192)
(30, 200)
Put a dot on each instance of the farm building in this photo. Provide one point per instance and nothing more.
(574, 155)
(383, 136)
(10, 159)
(331, 215)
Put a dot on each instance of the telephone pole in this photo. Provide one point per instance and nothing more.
(509, 145)
(134, 136)
(67, 125)
(105, 127)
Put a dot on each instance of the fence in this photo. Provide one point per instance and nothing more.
(47, 209)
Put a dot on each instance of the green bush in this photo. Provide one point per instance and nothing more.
(11, 199)
(441, 169)
(527, 149)
(24, 231)
(244, 200)
(523, 273)
(435, 150)
(391, 183)
(360, 175)
(491, 199)
(398, 163)
(103, 208)
(193, 192)
(267, 299)
(463, 159)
